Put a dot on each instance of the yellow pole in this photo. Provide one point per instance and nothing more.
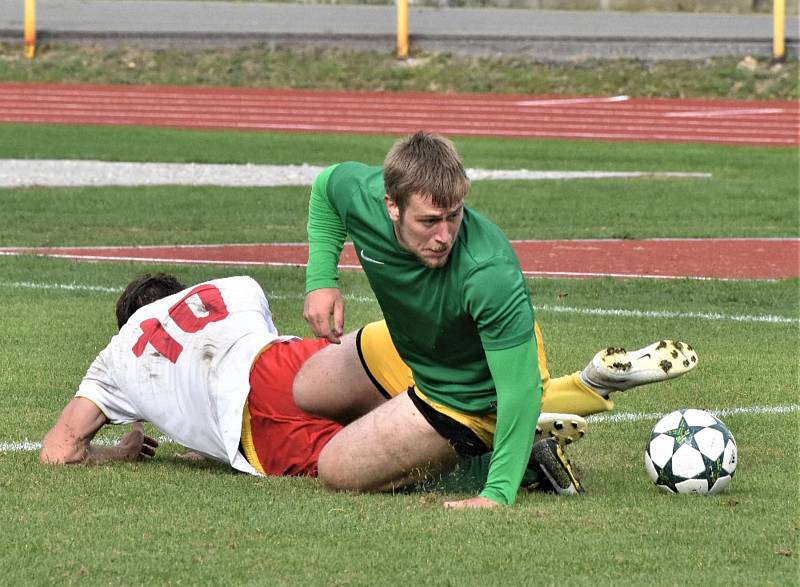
(30, 28)
(778, 29)
(402, 29)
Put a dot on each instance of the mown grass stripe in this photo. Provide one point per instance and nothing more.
(29, 445)
(616, 312)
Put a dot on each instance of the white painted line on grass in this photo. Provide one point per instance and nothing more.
(22, 446)
(30, 445)
(616, 312)
(524, 174)
(558, 274)
(767, 318)
(60, 286)
(347, 297)
(723, 413)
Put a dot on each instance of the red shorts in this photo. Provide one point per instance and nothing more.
(287, 440)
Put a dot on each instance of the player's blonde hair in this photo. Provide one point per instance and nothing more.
(426, 164)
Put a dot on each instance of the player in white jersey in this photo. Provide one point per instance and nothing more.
(207, 367)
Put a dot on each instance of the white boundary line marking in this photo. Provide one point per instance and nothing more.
(557, 274)
(722, 413)
(616, 312)
(31, 445)
(61, 286)
(716, 316)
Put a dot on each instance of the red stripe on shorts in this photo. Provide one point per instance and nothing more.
(287, 440)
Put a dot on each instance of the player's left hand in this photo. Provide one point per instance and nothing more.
(471, 503)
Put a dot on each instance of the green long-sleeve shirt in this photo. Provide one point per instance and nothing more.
(465, 329)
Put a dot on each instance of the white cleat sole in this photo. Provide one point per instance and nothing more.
(565, 428)
(616, 369)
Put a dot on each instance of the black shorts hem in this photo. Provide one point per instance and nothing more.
(463, 440)
(378, 386)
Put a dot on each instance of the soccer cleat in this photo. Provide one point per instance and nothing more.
(550, 459)
(564, 428)
(615, 369)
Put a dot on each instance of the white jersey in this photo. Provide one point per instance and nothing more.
(183, 363)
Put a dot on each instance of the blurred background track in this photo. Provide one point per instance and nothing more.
(762, 123)
(540, 34)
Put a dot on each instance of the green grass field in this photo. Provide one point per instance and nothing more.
(345, 69)
(172, 522)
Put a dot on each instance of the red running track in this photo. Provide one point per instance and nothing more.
(761, 123)
(655, 259)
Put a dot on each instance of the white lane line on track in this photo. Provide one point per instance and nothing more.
(31, 445)
(568, 101)
(615, 312)
(232, 98)
(722, 113)
(513, 118)
(646, 135)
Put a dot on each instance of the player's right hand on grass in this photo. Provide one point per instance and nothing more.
(136, 445)
(324, 312)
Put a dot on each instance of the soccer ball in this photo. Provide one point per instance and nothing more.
(690, 451)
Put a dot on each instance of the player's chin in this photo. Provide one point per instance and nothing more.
(433, 260)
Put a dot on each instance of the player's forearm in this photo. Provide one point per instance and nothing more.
(326, 235)
(97, 455)
(81, 453)
(519, 390)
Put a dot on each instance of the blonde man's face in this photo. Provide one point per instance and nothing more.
(425, 230)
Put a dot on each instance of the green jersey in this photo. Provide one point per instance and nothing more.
(443, 321)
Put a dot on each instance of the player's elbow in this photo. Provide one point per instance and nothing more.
(48, 456)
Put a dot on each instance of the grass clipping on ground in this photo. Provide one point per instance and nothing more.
(339, 69)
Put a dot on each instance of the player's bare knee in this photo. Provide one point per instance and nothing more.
(332, 475)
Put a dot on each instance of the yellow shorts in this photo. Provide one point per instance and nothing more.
(469, 433)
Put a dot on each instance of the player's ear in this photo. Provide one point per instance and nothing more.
(392, 208)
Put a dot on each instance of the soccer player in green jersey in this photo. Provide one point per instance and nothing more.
(458, 312)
